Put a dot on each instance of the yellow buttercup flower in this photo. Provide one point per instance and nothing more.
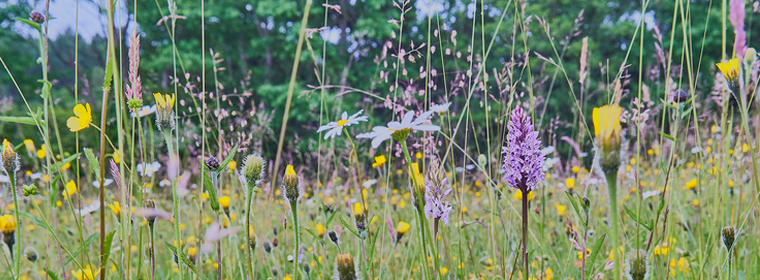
(7, 224)
(192, 251)
(42, 152)
(570, 183)
(730, 71)
(358, 209)
(69, 189)
(549, 274)
(402, 227)
(224, 201)
(115, 208)
(518, 195)
(82, 118)
(607, 125)
(320, 230)
(691, 184)
(683, 266)
(85, 274)
(29, 144)
(117, 156)
(379, 161)
(560, 209)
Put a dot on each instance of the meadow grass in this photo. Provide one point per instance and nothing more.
(671, 193)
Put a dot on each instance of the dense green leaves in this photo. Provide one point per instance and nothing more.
(256, 43)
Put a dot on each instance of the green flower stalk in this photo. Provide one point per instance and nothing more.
(399, 131)
(151, 219)
(607, 130)
(637, 265)
(9, 160)
(418, 186)
(728, 236)
(166, 124)
(291, 189)
(252, 176)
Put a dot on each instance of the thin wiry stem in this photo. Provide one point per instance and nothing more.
(291, 88)
(526, 266)
(612, 191)
(297, 238)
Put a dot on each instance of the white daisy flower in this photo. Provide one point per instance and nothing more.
(649, 194)
(408, 123)
(106, 182)
(147, 169)
(165, 183)
(336, 128)
(369, 183)
(87, 209)
(144, 111)
(440, 108)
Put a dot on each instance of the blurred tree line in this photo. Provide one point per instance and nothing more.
(256, 43)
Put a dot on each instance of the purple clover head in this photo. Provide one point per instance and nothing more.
(522, 154)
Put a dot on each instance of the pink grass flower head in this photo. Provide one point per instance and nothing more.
(736, 15)
(133, 90)
(522, 154)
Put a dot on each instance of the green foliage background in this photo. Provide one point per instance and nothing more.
(257, 42)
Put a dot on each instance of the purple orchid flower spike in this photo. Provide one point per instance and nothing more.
(522, 154)
(523, 163)
(435, 206)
